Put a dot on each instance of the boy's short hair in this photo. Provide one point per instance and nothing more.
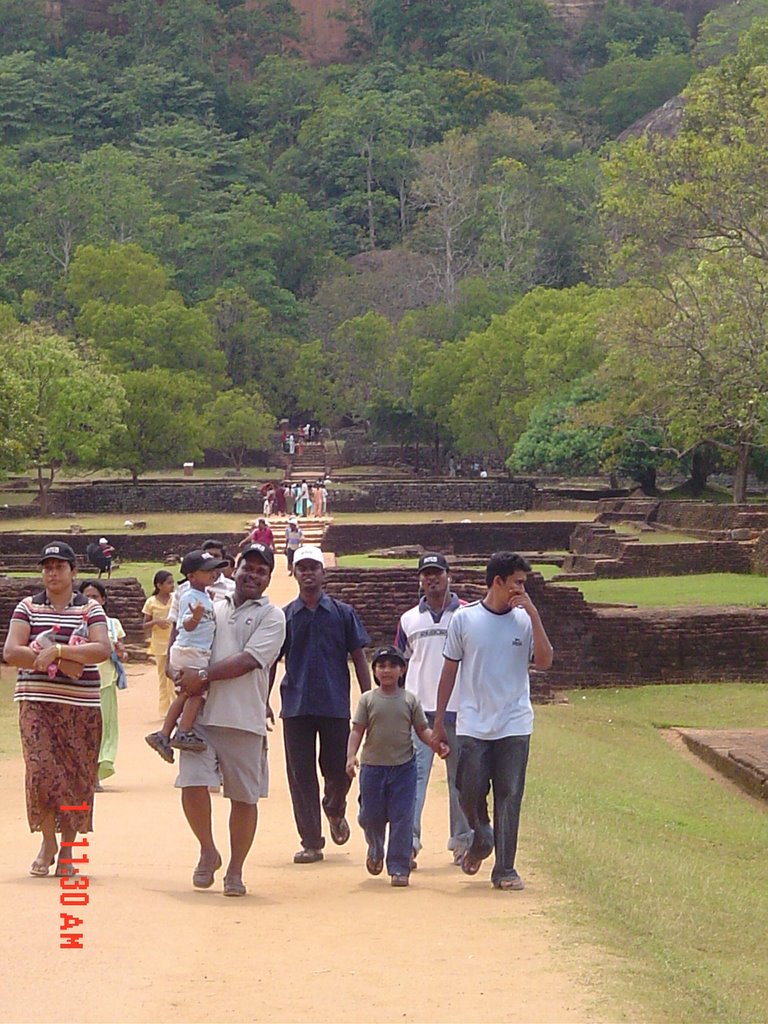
(504, 563)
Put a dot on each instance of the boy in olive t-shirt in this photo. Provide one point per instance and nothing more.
(386, 716)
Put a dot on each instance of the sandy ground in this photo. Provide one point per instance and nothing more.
(322, 942)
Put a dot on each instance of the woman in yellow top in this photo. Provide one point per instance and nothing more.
(158, 629)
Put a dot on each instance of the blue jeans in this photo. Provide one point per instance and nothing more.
(498, 764)
(387, 795)
(460, 832)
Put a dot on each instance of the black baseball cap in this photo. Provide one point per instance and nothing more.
(390, 652)
(194, 560)
(266, 554)
(433, 561)
(58, 549)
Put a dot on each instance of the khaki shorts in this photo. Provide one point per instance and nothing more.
(235, 757)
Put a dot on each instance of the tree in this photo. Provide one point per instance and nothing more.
(163, 420)
(626, 88)
(120, 273)
(693, 358)
(639, 27)
(68, 410)
(445, 190)
(238, 421)
(166, 334)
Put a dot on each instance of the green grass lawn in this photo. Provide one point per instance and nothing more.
(213, 522)
(667, 591)
(655, 536)
(665, 867)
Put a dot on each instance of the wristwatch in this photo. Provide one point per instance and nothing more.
(202, 675)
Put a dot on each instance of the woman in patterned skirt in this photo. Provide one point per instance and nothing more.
(56, 639)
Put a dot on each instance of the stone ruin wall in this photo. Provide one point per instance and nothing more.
(594, 645)
(126, 599)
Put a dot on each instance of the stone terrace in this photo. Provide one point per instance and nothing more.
(739, 754)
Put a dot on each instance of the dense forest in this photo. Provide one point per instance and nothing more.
(202, 233)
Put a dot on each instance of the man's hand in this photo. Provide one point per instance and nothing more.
(270, 718)
(440, 740)
(188, 680)
(441, 749)
(521, 600)
(352, 764)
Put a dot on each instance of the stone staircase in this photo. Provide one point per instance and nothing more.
(309, 464)
(628, 510)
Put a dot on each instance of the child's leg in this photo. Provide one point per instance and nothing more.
(173, 713)
(400, 802)
(192, 708)
(372, 816)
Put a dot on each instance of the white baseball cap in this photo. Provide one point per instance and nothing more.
(310, 552)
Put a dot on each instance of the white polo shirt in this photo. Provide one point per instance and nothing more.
(495, 651)
(421, 637)
(257, 627)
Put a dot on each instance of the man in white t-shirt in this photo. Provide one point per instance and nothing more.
(421, 635)
(493, 640)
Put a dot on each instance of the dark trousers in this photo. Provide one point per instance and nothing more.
(500, 765)
(388, 797)
(300, 736)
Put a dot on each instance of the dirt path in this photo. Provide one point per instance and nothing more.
(322, 942)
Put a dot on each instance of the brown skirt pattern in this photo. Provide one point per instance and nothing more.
(60, 743)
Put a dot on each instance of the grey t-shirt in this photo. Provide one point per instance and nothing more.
(388, 719)
(257, 627)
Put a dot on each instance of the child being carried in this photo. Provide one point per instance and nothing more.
(196, 627)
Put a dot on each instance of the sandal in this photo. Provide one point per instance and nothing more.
(202, 877)
(65, 870)
(469, 865)
(40, 870)
(234, 886)
(160, 742)
(339, 830)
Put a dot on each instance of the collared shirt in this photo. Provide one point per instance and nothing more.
(421, 635)
(317, 646)
(257, 627)
(222, 587)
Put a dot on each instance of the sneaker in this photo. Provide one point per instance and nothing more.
(307, 856)
(160, 742)
(188, 741)
(339, 830)
(399, 881)
(513, 883)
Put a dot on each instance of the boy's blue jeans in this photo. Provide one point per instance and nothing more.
(388, 796)
(498, 765)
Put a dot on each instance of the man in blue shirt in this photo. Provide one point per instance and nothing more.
(321, 634)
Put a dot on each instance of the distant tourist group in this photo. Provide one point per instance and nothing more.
(453, 683)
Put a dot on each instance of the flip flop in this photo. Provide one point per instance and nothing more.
(38, 870)
(202, 878)
(470, 866)
(65, 871)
